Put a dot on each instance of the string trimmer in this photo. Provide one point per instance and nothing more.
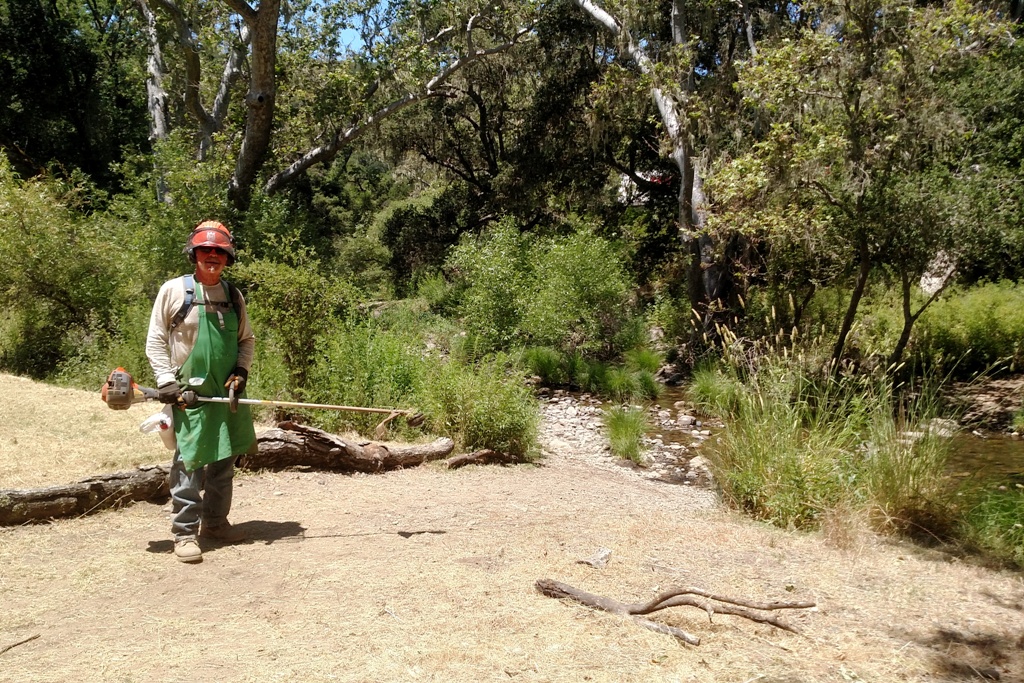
(120, 391)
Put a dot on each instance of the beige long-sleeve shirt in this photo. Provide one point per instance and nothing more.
(167, 351)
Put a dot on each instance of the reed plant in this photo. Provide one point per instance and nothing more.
(800, 444)
(626, 427)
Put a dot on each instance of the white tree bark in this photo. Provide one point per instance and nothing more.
(692, 202)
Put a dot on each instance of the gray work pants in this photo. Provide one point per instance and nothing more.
(189, 506)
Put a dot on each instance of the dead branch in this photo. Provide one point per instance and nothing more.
(20, 642)
(693, 597)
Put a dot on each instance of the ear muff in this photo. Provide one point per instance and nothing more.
(210, 234)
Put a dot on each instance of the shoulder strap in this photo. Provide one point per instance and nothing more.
(234, 295)
(190, 298)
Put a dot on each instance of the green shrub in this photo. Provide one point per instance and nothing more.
(975, 328)
(498, 273)
(579, 294)
(563, 292)
(62, 278)
(626, 428)
(299, 304)
(481, 407)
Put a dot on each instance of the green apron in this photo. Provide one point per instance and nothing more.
(210, 432)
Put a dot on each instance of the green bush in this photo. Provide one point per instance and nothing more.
(975, 328)
(62, 274)
(626, 428)
(563, 292)
(481, 407)
(299, 304)
(579, 295)
(498, 275)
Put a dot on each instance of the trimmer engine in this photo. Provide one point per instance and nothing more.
(120, 391)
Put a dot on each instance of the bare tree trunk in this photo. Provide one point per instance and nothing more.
(702, 273)
(860, 285)
(909, 316)
(262, 96)
(156, 95)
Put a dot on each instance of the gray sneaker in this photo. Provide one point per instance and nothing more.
(187, 549)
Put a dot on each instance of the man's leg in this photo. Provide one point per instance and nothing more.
(217, 492)
(187, 504)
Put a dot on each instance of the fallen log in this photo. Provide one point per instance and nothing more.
(484, 456)
(288, 445)
(693, 597)
(295, 445)
(85, 496)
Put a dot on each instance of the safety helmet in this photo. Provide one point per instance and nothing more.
(210, 234)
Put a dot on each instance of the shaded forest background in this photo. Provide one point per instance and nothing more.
(588, 179)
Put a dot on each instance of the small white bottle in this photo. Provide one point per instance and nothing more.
(163, 424)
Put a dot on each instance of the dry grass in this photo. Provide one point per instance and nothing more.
(427, 575)
(50, 435)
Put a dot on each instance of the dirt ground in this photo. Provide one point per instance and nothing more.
(428, 575)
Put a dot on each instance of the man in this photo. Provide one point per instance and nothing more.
(200, 339)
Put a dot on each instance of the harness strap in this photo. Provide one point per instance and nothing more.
(186, 306)
(189, 283)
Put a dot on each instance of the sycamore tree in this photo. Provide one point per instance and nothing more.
(279, 87)
(683, 55)
(864, 158)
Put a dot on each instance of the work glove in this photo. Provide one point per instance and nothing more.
(238, 377)
(235, 386)
(169, 393)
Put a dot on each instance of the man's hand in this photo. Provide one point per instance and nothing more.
(169, 393)
(236, 380)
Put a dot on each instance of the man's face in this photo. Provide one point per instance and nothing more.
(210, 261)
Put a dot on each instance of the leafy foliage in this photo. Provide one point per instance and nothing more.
(564, 292)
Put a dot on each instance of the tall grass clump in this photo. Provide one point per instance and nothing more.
(626, 428)
(714, 390)
(801, 444)
(995, 524)
(642, 359)
(547, 364)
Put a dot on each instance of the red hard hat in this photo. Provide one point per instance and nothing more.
(210, 234)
